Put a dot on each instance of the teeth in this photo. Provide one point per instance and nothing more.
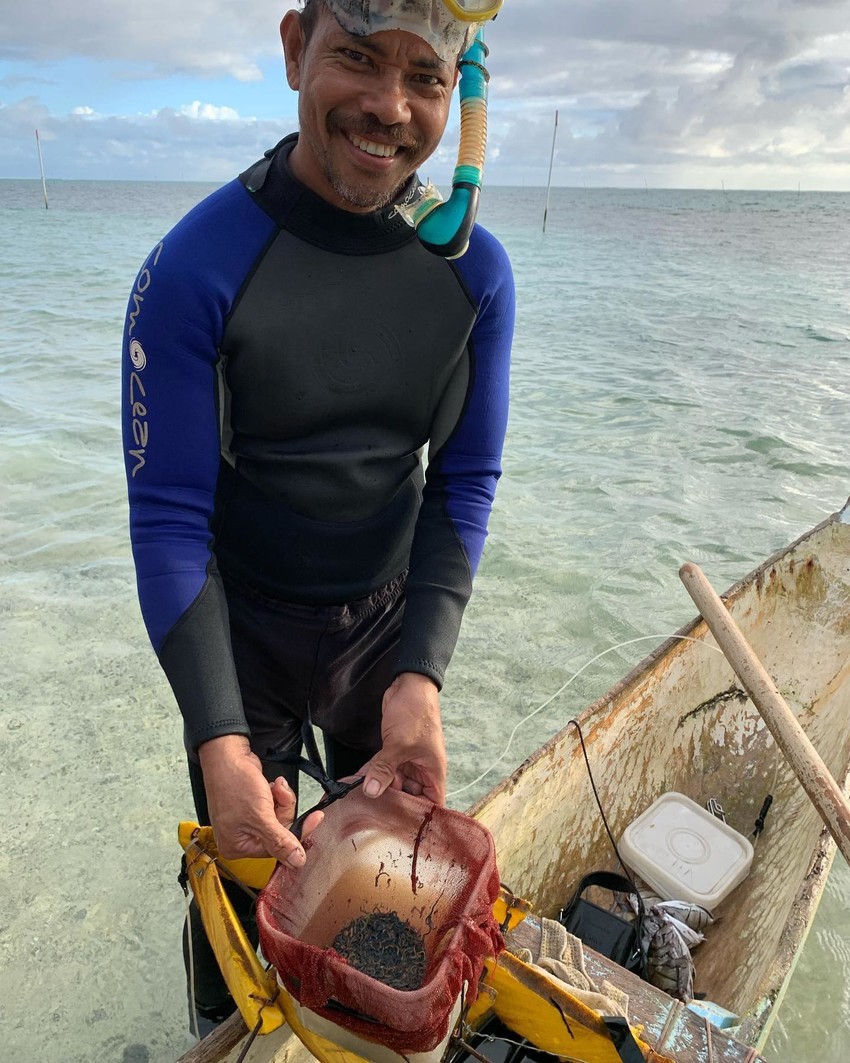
(371, 148)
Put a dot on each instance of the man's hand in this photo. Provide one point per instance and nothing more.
(249, 815)
(413, 754)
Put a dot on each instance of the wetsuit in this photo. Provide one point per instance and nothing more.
(285, 364)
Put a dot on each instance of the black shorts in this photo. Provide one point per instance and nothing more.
(335, 661)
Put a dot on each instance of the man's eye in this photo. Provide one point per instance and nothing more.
(355, 57)
(431, 80)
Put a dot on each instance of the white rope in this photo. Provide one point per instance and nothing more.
(561, 689)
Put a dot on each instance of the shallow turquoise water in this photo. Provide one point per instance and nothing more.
(680, 391)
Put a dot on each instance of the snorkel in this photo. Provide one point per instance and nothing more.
(444, 227)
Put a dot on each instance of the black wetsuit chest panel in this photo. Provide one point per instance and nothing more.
(336, 366)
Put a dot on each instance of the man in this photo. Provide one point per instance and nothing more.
(290, 349)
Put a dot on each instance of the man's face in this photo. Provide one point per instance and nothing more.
(371, 109)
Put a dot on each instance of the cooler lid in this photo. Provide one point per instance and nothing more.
(684, 853)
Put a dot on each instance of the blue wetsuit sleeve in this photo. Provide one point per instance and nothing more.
(175, 320)
(461, 477)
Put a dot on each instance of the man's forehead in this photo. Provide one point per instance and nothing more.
(427, 20)
(382, 44)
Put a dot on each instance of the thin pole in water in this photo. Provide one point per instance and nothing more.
(551, 160)
(41, 167)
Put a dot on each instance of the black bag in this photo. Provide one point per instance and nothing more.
(603, 930)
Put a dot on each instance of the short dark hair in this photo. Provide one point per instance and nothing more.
(310, 16)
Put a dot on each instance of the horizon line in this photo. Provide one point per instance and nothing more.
(585, 187)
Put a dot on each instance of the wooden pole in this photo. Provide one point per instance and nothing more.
(551, 161)
(41, 167)
(825, 793)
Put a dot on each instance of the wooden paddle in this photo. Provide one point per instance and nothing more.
(825, 793)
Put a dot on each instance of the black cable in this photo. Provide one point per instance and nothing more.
(251, 1038)
(628, 874)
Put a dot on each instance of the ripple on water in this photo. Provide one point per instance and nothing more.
(659, 415)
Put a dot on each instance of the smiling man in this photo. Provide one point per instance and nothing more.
(291, 353)
(373, 109)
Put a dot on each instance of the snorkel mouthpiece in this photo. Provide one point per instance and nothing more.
(445, 228)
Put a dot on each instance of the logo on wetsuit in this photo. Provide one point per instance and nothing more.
(137, 355)
(138, 359)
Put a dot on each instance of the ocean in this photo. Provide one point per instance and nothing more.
(681, 388)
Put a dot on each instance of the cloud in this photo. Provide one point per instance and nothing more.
(673, 86)
(208, 112)
(670, 88)
(173, 38)
(13, 81)
(197, 141)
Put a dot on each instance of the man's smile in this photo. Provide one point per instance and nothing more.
(373, 148)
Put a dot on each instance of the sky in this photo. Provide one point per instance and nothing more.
(664, 93)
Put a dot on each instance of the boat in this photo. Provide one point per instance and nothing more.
(680, 722)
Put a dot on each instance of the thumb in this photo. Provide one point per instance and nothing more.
(285, 801)
(378, 775)
(282, 845)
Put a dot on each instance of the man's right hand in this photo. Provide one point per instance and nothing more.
(249, 815)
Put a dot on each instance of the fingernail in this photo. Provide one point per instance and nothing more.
(296, 858)
(372, 788)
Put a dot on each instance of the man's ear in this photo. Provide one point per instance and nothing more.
(292, 36)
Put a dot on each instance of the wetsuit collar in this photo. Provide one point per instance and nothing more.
(300, 211)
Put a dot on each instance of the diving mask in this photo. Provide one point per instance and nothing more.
(448, 26)
(473, 10)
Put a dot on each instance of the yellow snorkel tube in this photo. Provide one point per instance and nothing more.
(444, 227)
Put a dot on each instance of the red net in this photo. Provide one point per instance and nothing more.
(432, 867)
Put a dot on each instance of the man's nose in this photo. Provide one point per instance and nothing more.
(387, 100)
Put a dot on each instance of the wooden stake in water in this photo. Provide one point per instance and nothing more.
(551, 160)
(41, 167)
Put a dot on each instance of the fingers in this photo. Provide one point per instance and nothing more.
(379, 774)
(285, 848)
(285, 801)
(434, 789)
(311, 822)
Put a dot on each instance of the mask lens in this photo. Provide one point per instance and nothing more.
(473, 10)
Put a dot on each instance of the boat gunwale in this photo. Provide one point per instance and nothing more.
(672, 642)
(773, 985)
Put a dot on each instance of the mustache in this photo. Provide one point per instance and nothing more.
(368, 127)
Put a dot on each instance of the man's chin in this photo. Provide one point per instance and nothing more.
(367, 193)
(362, 198)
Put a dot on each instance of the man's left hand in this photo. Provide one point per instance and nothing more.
(413, 754)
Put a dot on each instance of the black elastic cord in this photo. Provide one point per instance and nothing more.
(640, 912)
(313, 766)
(626, 871)
(623, 1038)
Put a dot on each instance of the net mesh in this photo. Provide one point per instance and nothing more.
(432, 867)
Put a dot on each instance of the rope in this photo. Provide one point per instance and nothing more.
(561, 689)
